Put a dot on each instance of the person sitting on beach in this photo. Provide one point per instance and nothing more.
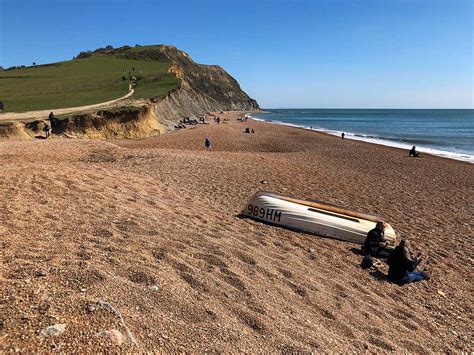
(375, 244)
(413, 152)
(402, 265)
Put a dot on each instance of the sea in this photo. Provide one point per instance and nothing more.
(447, 133)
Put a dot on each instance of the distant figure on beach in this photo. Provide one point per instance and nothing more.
(402, 265)
(207, 143)
(218, 120)
(343, 135)
(46, 131)
(375, 244)
(413, 152)
(52, 120)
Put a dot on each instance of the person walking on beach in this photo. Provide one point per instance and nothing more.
(375, 244)
(52, 120)
(46, 131)
(413, 152)
(343, 135)
(207, 143)
(402, 265)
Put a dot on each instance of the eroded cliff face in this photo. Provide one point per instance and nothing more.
(203, 88)
(135, 122)
(125, 123)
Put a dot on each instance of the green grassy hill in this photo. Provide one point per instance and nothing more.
(84, 81)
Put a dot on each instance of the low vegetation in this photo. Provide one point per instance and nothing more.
(91, 77)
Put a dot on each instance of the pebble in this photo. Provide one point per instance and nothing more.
(53, 330)
(113, 335)
(83, 290)
(154, 288)
(264, 182)
(312, 251)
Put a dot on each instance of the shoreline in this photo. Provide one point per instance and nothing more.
(464, 157)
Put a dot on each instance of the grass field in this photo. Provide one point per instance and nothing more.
(81, 82)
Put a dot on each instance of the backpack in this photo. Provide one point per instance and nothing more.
(367, 262)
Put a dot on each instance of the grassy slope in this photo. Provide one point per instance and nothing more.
(80, 82)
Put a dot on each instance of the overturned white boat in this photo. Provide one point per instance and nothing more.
(314, 217)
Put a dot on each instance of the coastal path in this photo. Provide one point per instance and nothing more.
(40, 114)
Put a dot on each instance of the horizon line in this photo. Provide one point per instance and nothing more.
(362, 108)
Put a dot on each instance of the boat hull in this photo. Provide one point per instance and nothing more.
(313, 217)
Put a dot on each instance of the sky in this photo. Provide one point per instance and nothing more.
(291, 54)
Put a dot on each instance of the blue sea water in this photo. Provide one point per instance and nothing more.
(448, 133)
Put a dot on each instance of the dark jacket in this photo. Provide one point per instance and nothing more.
(400, 264)
(371, 244)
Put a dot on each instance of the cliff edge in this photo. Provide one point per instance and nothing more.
(168, 86)
(201, 88)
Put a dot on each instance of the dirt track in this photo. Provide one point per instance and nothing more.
(40, 114)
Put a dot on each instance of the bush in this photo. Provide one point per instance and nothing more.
(85, 54)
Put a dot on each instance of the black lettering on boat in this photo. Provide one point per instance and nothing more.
(255, 210)
(269, 214)
(263, 213)
(277, 215)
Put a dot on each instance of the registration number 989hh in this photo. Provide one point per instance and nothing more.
(264, 213)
